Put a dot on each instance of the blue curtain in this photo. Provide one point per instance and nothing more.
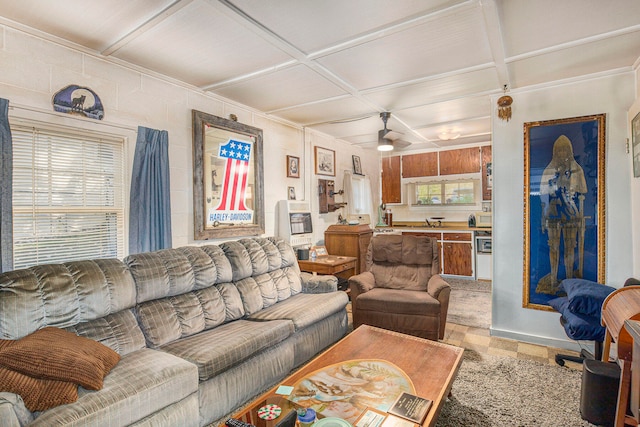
(150, 205)
(6, 189)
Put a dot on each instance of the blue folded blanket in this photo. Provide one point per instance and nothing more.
(585, 297)
(578, 326)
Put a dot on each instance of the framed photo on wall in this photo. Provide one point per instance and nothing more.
(293, 167)
(635, 144)
(564, 202)
(291, 193)
(325, 161)
(357, 166)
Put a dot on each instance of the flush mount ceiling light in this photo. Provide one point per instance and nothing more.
(504, 106)
(448, 135)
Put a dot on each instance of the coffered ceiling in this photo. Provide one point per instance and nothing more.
(335, 65)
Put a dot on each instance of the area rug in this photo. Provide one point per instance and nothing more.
(503, 391)
(469, 303)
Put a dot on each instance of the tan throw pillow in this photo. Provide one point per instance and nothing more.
(54, 354)
(38, 394)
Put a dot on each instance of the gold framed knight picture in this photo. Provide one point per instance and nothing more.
(564, 205)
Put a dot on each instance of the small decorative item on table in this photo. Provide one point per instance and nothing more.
(269, 412)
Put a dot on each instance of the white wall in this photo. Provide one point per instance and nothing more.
(33, 70)
(612, 95)
(635, 185)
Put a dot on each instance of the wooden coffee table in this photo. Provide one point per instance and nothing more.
(429, 365)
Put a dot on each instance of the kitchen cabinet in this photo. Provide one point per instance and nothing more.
(417, 165)
(466, 160)
(349, 240)
(391, 191)
(456, 251)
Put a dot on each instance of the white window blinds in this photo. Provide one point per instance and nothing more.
(67, 196)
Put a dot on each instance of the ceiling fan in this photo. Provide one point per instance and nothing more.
(388, 139)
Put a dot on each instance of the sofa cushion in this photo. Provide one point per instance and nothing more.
(55, 354)
(304, 309)
(38, 394)
(402, 249)
(399, 302)
(62, 295)
(218, 349)
(120, 332)
(142, 383)
(171, 272)
(167, 319)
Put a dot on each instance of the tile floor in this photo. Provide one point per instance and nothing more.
(481, 341)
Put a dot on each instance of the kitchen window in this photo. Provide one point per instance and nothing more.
(68, 195)
(445, 193)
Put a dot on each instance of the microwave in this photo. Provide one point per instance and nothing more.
(483, 219)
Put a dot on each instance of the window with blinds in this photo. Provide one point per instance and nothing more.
(67, 196)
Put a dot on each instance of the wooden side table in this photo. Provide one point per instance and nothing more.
(340, 266)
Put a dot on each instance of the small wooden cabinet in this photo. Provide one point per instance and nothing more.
(349, 240)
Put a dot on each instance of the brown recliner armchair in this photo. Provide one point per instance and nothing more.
(401, 289)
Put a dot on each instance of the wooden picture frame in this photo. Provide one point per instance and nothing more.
(357, 165)
(564, 205)
(320, 250)
(293, 167)
(215, 140)
(325, 161)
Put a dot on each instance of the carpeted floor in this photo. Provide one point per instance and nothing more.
(469, 303)
(496, 391)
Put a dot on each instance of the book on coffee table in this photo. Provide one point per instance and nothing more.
(411, 407)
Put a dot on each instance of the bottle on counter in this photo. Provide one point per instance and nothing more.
(388, 217)
(313, 254)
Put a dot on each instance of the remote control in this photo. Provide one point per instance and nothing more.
(232, 422)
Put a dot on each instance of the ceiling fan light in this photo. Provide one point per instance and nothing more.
(385, 144)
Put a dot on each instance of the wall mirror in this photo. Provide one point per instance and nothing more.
(228, 180)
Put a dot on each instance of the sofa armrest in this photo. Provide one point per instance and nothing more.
(440, 290)
(13, 413)
(319, 283)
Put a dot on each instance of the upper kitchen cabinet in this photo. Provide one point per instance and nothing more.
(417, 165)
(391, 191)
(466, 160)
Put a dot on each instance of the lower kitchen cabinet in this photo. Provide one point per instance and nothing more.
(456, 251)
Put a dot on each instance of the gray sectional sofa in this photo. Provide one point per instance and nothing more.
(200, 330)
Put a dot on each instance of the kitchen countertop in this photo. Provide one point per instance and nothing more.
(446, 226)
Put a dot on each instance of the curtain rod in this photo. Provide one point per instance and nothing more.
(69, 116)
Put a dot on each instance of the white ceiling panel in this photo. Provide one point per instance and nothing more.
(338, 109)
(446, 112)
(95, 25)
(435, 90)
(532, 25)
(457, 41)
(201, 46)
(315, 25)
(291, 86)
(472, 127)
(434, 64)
(584, 59)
